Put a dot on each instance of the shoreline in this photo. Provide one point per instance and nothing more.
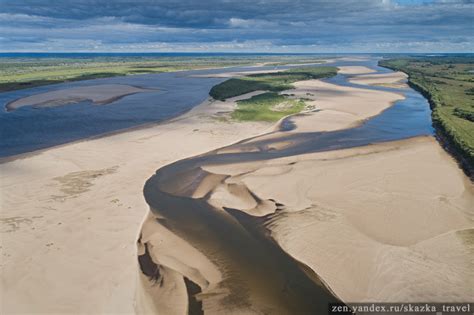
(209, 99)
(445, 140)
(133, 85)
(14, 157)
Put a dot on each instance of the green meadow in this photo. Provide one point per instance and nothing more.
(19, 73)
(269, 106)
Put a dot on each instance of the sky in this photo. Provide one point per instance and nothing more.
(278, 26)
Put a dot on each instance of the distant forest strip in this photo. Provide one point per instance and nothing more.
(26, 72)
(448, 83)
(274, 82)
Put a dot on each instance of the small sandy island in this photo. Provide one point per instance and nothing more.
(391, 79)
(355, 70)
(231, 74)
(386, 222)
(97, 94)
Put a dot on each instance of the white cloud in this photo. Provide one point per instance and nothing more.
(244, 25)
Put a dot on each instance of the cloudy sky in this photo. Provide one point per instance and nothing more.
(237, 25)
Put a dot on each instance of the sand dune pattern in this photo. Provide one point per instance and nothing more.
(287, 222)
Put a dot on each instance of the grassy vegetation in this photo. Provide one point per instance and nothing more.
(268, 106)
(274, 82)
(18, 72)
(448, 82)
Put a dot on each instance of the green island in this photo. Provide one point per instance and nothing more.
(269, 106)
(448, 83)
(275, 82)
(20, 73)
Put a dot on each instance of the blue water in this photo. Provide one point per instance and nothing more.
(27, 129)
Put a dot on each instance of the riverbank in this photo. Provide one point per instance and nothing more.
(36, 118)
(448, 85)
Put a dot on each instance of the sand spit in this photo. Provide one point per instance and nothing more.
(232, 74)
(338, 107)
(237, 73)
(391, 79)
(355, 70)
(97, 94)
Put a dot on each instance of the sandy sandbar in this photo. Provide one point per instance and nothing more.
(97, 94)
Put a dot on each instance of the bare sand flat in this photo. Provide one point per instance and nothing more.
(347, 59)
(97, 94)
(338, 107)
(391, 79)
(376, 222)
(231, 74)
(355, 70)
(71, 215)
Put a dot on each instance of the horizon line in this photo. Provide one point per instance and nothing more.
(219, 52)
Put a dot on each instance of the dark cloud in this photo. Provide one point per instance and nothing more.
(299, 25)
